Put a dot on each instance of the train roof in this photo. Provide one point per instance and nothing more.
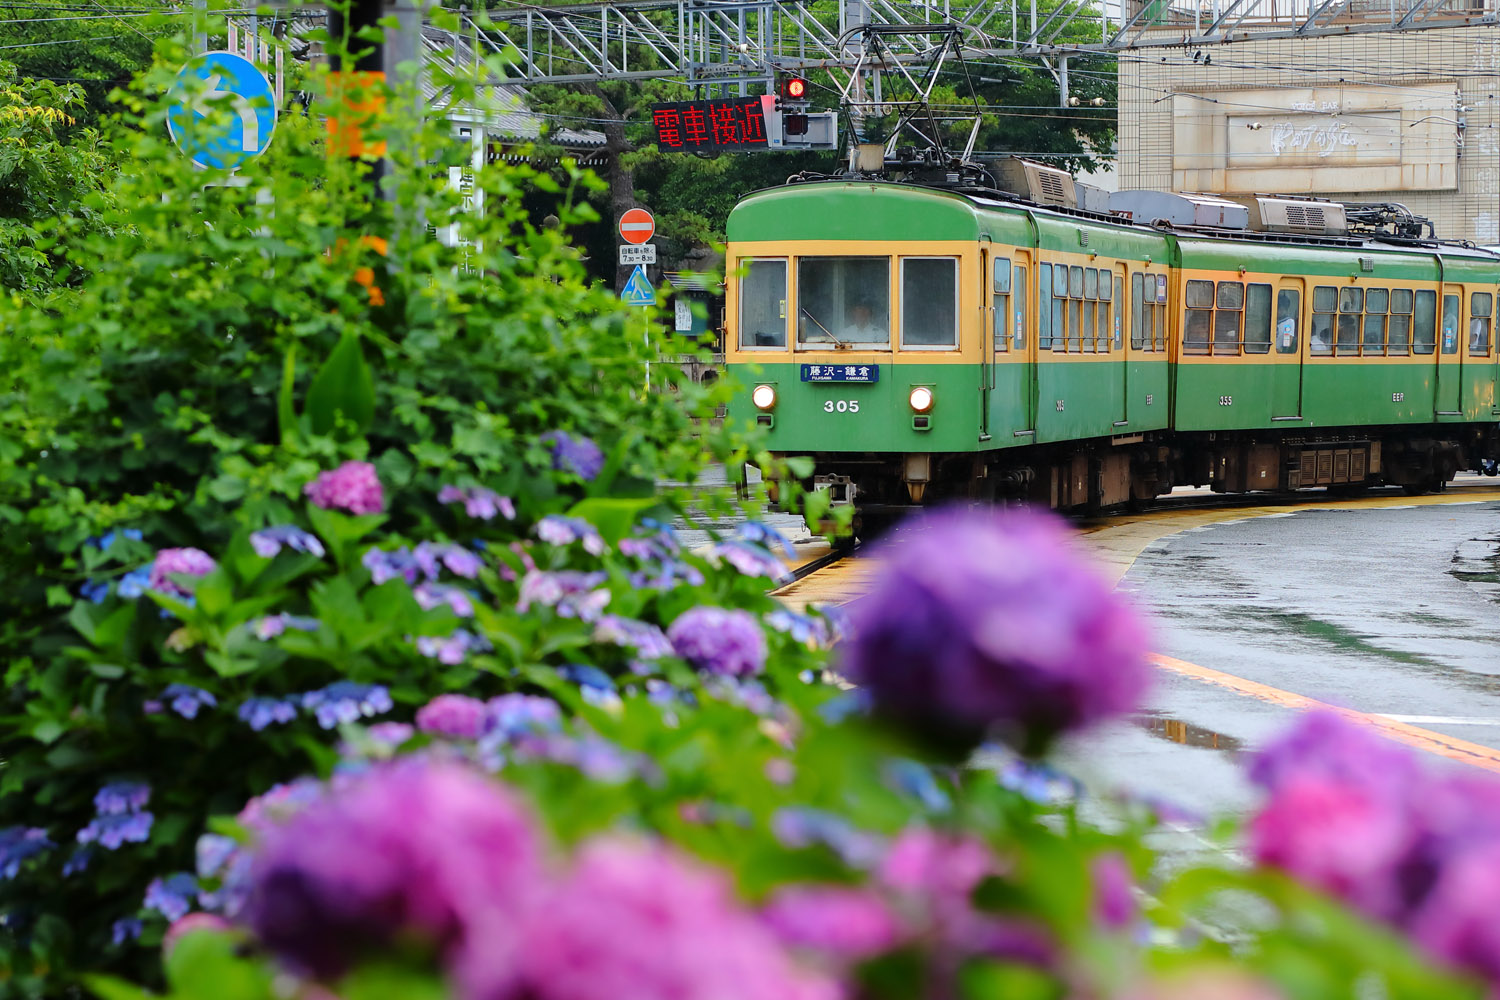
(840, 208)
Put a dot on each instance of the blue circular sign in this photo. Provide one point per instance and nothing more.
(223, 110)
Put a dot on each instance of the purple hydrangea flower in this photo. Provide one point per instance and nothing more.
(263, 712)
(111, 831)
(120, 797)
(271, 626)
(511, 716)
(17, 843)
(797, 827)
(352, 487)
(846, 923)
(269, 541)
(455, 715)
(1325, 744)
(279, 803)
(804, 628)
(413, 850)
(983, 621)
(385, 566)
(185, 699)
(432, 595)
(125, 929)
(459, 560)
(172, 896)
(719, 641)
(180, 562)
(578, 455)
(1114, 890)
(647, 641)
(479, 502)
(573, 594)
(213, 853)
(78, 861)
(639, 921)
(346, 701)
(390, 734)
(554, 529)
(752, 560)
(452, 649)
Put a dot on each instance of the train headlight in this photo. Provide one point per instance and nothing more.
(764, 397)
(921, 399)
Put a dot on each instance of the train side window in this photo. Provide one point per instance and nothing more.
(1138, 313)
(1351, 307)
(1288, 319)
(1325, 306)
(1090, 307)
(763, 304)
(1075, 309)
(1200, 317)
(1228, 306)
(843, 300)
(1450, 324)
(1116, 309)
(1399, 330)
(1481, 310)
(1001, 318)
(1020, 306)
(1377, 301)
(929, 302)
(1060, 307)
(1044, 306)
(1258, 319)
(1424, 323)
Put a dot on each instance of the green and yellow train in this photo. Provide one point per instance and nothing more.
(922, 344)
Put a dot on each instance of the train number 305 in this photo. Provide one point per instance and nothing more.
(841, 406)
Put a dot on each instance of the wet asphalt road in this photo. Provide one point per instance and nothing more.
(1392, 611)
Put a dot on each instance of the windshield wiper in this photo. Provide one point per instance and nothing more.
(831, 335)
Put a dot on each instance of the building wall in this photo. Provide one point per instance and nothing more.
(1336, 117)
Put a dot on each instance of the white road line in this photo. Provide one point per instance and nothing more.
(1441, 720)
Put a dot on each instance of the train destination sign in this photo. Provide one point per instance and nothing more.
(841, 373)
(732, 123)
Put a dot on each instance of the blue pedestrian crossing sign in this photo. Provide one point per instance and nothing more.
(638, 290)
(223, 110)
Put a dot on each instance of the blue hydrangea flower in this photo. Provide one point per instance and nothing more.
(749, 693)
(458, 560)
(271, 626)
(385, 566)
(269, 541)
(262, 712)
(719, 641)
(134, 583)
(346, 701)
(752, 560)
(554, 529)
(515, 715)
(172, 896)
(111, 831)
(573, 594)
(122, 797)
(212, 852)
(479, 502)
(103, 542)
(578, 455)
(432, 595)
(851, 703)
(125, 929)
(648, 641)
(803, 628)
(78, 861)
(185, 699)
(17, 843)
(452, 649)
(916, 779)
(798, 827)
(761, 533)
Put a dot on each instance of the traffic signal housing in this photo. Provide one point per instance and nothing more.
(794, 88)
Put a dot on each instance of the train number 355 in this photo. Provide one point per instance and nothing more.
(841, 406)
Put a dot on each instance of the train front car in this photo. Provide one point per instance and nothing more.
(855, 330)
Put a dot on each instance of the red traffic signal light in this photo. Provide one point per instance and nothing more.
(794, 88)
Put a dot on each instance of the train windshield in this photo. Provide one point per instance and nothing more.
(763, 304)
(843, 300)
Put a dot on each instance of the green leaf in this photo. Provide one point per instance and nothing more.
(203, 966)
(286, 411)
(391, 982)
(342, 386)
(112, 988)
(46, 731)
(613, 517)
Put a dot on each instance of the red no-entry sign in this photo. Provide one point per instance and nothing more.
(637, 226)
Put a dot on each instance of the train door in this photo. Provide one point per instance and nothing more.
(1119, 348)
(1449, 357)
(1286, 371)
(991, 332)
(1023, 341)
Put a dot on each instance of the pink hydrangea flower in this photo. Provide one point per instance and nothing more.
(185, 561)
(455, 715)
(845, 923)
(1114, 897)
(414, 851)
(183, 926)
(639, 921)
(352, 487)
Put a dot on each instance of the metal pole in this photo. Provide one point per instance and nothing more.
(354, 81)
(1062, 81)
(200, 26)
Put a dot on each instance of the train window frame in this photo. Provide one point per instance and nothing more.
(1060, 308)
(1259, 346)
(1018, 284)
(1000, 291)
(1227, 346)
(1196, 304)
(1450, 338)
(1316, 346)
(1424, 308)
(745, 265)
(1138, 310)
(1116, 314)
(957, 295)
(1288, 320)
(831, 344)
(1402, 308)
(1044, 306)
(1480, 324)
(1374, 347)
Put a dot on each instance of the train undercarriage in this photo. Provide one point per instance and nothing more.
(1115, 473)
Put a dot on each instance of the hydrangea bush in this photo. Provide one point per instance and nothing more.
(348, 655)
